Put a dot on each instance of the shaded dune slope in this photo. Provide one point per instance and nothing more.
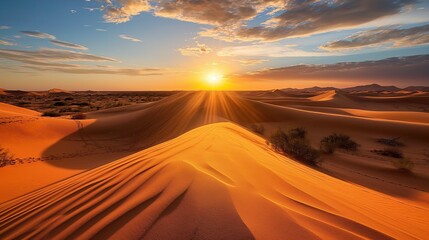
(218, 181)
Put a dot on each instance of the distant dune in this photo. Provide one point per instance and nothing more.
(218, 181)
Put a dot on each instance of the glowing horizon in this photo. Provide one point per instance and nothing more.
(167, 45)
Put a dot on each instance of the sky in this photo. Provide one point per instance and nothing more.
(186, 44)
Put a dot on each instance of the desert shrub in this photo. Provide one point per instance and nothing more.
(78, 116)
(59, 104)
(329, 143)
(297, 132)
(403, 164)
(389, 152)
(295, 144)
(50, 114)
(5, 157)
(258, 128)
(393, 142)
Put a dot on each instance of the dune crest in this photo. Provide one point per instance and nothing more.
(218, 181)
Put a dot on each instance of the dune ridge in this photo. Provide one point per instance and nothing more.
(209, 180)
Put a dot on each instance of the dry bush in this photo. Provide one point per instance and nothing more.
(5, 157)
(389, 152)
(295, 144)
(329, 143)
(393, 142)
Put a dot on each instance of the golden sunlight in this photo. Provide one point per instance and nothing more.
(214, 79)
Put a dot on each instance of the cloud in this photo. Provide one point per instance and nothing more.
(68, 45)
(58, 60)
(6, 43)
(119, 11)
(91, 9)
(221, 12)
(101, 70)
(73, 11)
(51, 56)
(38, 34)
(371, 38)
(270, 50)
(100, 30)
(410, 68)
(4, 27)
(133, 39)
(198, 50)
(291, 18)
(251, 61)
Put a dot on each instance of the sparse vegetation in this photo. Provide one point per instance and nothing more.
(330, 143)
(50, 114)
(87, 101)
(295, 144)
(399, 161)
(389, 152)
(393, 142)
(6, 157)
(258, 128)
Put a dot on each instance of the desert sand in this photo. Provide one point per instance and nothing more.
(186, 167)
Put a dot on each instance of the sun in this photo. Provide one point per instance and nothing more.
(214, 79)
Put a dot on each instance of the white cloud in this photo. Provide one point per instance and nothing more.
(127, 37)
(195, 51)
(4, 27)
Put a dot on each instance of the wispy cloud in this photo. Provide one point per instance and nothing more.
(198, 50)
(68, 45)
(38, 34)
(49, 55)
(6, 43)
(100, 30)
(251, 61)
(270, 50)
(97, 70)
(397, 37)
(73, 11)
(129, 38)
(411, 68)
(2, 27)
(57, 60)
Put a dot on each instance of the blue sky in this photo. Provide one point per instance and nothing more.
(155, 45)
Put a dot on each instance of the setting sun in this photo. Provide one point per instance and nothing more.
(214, 79)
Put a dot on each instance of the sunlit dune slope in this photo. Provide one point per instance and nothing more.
(214, 182)
(10, 110)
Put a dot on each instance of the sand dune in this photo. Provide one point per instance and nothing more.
(10, 110)
(206, 184)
